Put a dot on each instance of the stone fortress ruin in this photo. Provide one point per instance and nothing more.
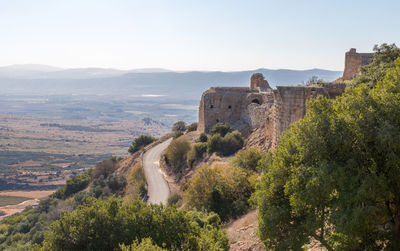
(261, 113)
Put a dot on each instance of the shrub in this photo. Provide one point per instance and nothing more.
(232, 142)
(104, 168)
(137, 188)
(179, 126)
(203, 137)
(196, 153)
(174, 199)
(140, 142)
(177, 134)
(214, 144)
(73, 185)
(220, 188)
(221, 128)
(176, 152)
(248, 158)
(145, 244)
(192, 127)
(226, 145)
(105, 187)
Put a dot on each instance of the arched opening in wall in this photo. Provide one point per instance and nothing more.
(217, 120)
(211, 106)
(230, 107)
(255, 101)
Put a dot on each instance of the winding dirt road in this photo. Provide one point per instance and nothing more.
(158, 189)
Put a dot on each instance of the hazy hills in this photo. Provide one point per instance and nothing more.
(47, 80)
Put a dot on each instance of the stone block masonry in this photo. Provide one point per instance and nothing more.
(353, 62)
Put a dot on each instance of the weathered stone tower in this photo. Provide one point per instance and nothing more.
(353, 62)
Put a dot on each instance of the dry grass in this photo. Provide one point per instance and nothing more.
(11, 200)
(28, 194)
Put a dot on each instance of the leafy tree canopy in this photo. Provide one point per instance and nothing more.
(335, 175)
(179, 126)
(140, 142)
(109, 224)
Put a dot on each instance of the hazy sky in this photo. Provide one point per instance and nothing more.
(200, 35)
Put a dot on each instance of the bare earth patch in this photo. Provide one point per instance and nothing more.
(242, 233)
(32, 199)
(29, 194)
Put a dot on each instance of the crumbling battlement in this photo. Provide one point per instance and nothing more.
(353, 62)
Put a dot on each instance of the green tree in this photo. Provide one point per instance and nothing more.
(203, 137)
(179, 126)
(227, 145)
(222, 189)
(314, 80)
(145, 245)
(176, 152)
(192, 127)
(384, 57)
(140, 142)
(248, 158)
(335, 176)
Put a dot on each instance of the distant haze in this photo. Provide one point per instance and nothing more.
(47, 80)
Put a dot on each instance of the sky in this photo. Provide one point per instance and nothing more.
(224, 35)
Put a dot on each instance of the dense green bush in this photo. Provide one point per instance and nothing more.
(107, 224)
(105, 187)
(196, 153)
(192, 127)
(137, 188)
(214, 144)
(175, 154)
(104, 168)
(203, 137)
(177, 134)
(221, 129)
(226, 145)
(248, 158)
(232, 142)
(74, 185)
(222, 189)
(174, 199)
(145, 244)
(140, 142)
(179, 126)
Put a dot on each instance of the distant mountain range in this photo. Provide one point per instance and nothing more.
(45, 80)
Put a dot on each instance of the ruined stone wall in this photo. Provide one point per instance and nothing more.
(242, 108)
(334, 89)
(220, 104)
(290, 106)
(353, 62)
(262, 114)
